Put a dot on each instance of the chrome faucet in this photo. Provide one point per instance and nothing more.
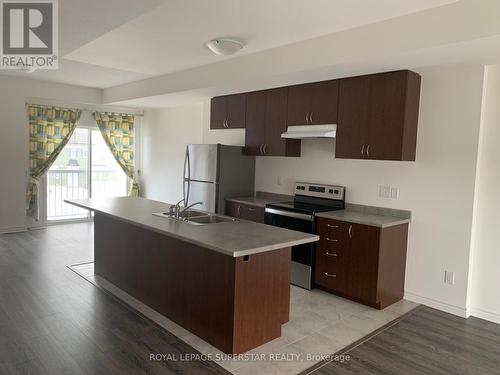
(191, 205)
(176, 210)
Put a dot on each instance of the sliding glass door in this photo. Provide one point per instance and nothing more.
(85, 168)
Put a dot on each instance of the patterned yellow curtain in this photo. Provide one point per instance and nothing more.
(50, 128)
(118, 133)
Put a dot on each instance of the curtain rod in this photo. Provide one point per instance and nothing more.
(115, 111)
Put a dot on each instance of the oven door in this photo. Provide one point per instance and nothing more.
(303, 256)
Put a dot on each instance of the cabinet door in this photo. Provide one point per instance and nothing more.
(299, 104)
(255, 131)
(236, 109)
(353, 111)
(363, 268)
(324, 102)
(233, 209)
(252, 213)
(386, 116)
(218, 112)
(276, 112)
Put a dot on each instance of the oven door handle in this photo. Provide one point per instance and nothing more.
(295, 215)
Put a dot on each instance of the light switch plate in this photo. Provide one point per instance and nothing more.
(384, 191)
(394, 193)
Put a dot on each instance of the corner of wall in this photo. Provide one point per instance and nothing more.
(473, 242)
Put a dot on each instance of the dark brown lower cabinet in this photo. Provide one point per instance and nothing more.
(235, 304)
(361, 262)
(245, 211)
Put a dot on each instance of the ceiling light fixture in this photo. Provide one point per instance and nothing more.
(224, 46)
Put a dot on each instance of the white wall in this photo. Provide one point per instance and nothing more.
(14, 139)
(165, 134)
(485, 300)
(438, 188)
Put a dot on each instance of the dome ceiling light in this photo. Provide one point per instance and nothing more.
(224, 46)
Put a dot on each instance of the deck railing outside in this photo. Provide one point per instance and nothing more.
(73, 184)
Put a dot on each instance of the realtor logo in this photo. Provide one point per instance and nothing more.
(29, 39)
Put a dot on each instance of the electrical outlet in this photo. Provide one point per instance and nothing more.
(394, 192)
(449, 277)
(384, 191)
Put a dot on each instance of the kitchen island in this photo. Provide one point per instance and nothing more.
(226, 282)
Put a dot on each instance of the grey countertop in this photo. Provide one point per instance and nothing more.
(261, 199)
(254, 201)
(234, 238)
(376, 220)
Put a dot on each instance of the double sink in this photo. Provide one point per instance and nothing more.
(195, 217)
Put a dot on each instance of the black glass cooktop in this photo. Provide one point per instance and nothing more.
(309, 205)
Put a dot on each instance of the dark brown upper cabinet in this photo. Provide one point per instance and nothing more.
(266, 113)
(313, 103)
(228, 112)
(378, 116)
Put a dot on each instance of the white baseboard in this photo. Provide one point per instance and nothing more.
(13, 229)
(486, 315)
(443, 306)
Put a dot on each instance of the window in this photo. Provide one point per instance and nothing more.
(85, 168)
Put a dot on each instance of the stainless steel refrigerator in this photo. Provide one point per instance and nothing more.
(214, 172)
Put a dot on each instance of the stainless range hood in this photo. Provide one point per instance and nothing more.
(310, 131)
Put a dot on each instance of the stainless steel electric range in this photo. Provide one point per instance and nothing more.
(299, 215)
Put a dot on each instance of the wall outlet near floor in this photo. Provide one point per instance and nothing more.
(449, 277)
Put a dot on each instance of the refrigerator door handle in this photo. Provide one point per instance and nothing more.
(187, 167)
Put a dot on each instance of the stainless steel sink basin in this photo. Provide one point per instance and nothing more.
(194, 217)
(208, 219)
(188, 214)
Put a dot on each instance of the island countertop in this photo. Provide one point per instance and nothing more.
(234, 238)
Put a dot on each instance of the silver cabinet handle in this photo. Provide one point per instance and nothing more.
(332, 226)
(350, 231)
(330, 275)
(368, 150)
(251, 209)
(311, 117)
(238, 210)
(261, 152)
(265, 149)
(331, 239)
(307, 118)
(363, 151)
(331, 254)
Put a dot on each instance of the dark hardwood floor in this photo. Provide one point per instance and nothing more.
(54, 322)
(425, 341)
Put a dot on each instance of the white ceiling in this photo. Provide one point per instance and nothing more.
(171, 37)
(82, 21)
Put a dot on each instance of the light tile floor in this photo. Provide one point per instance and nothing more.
(320, 325)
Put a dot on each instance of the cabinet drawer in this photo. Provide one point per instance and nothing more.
(334, 230)
(245, 211)
(331, 273)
